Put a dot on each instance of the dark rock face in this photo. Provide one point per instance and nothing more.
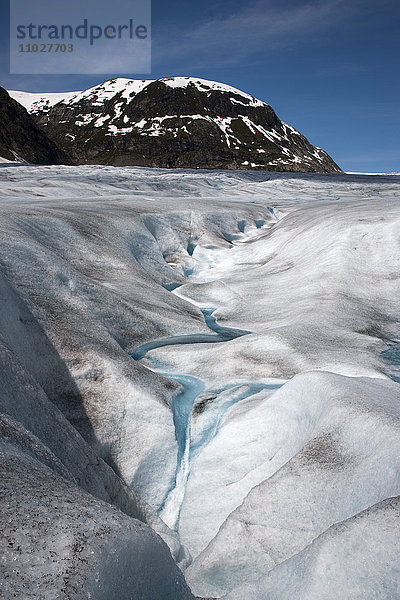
(178, 122)
(22, 140)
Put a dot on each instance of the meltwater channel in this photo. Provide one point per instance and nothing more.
(184, 400)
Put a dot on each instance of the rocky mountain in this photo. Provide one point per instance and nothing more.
(174, 122)
(22, 140)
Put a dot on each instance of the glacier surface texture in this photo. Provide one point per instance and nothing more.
(199, 384)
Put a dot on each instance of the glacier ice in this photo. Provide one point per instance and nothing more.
(273, 299)
(322, 570)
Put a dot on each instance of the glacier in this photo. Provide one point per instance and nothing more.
(199, 369)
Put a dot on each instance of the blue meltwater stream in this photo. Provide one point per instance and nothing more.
(183, 402)
(191, 388)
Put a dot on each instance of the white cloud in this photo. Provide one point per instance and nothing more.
(262, 26)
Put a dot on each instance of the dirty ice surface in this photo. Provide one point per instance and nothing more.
(214, 353)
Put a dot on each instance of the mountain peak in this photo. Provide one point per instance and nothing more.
(173, 122)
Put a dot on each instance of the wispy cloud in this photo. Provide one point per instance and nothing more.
(258, 27)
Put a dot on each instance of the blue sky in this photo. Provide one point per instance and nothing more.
(329, 68)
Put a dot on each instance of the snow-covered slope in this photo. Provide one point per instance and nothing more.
(173, 122)
(35, 102)
(228, 342)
